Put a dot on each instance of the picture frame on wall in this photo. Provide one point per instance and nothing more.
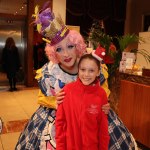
(127, 61)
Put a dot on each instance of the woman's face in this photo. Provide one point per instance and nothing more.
(66, 54)
(88, 71)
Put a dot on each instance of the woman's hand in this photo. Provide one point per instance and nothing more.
(106, 108)
(60, 96)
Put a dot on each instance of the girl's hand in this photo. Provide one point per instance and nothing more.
(59, 96)
(106, 108)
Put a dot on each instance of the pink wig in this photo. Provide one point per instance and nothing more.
(75, 38)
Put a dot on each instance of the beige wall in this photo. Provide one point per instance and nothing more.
(146, 46)
(59, 7)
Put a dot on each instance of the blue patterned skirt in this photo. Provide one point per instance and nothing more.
(39, 133)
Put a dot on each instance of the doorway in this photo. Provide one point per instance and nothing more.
(14, 29)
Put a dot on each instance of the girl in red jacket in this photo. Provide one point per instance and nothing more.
(80, 122)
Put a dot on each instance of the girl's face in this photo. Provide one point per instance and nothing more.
(88, 71)
(66, 54)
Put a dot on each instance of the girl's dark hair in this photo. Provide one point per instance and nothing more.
(89, 56)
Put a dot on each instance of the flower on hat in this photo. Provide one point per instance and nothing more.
(45, 18)
(42, 17)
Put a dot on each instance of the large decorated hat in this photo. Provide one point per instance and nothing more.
(50, 27)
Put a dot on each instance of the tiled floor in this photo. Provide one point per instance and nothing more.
(15, 110)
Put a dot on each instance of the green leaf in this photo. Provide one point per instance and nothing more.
(126, 40)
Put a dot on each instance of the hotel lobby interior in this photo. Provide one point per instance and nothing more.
(132, 86)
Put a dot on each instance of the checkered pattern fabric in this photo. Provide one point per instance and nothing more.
(31, 136)
(120, 137)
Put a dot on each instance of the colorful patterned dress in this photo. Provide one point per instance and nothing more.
(39, 133)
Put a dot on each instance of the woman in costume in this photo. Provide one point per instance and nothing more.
(64, 48)
(39, 133)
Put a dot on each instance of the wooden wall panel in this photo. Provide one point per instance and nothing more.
(134, 110)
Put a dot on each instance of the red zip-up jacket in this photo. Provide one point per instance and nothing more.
(80, 122)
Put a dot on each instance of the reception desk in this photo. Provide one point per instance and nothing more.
(134, 106)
